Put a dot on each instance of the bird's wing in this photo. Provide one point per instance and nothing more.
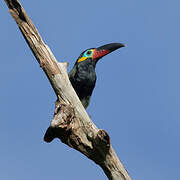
(72, 73)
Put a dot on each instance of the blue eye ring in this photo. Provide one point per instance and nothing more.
(88, 53)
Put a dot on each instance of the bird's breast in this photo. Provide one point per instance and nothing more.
(86, 74)
(83, 81)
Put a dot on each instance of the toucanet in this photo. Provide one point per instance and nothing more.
(83, 75)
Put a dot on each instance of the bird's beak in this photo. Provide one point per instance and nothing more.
(106, 49)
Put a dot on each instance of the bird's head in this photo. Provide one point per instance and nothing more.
(94, 54)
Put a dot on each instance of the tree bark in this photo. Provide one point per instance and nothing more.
(70, 123)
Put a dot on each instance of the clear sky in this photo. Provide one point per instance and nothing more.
(136, 98)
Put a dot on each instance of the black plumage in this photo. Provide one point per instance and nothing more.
(83, 79)
(83, 75)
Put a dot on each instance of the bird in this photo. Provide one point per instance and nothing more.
(83, 75)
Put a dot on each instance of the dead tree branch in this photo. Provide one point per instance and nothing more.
(70, 123)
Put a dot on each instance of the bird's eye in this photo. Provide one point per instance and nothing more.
(88, 52)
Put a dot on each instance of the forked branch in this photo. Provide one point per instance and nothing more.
(70, 123)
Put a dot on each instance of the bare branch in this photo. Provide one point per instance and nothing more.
(71, 124)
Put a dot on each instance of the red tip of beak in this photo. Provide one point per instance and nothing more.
(99, 54)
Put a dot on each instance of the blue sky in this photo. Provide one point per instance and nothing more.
(136, 98)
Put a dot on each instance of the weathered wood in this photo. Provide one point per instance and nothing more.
(70, 123)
